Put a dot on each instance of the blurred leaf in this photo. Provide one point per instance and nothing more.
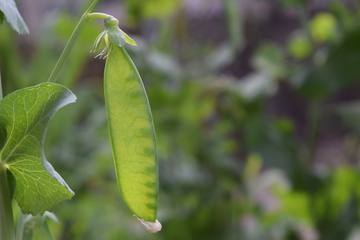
(13, 17)
(132, 134)
(344, 182)
(340, 69)
(350, 114)
(270, 59)
(323, 27)
(343, 14)
(256, 85)
(220, 57)
(38, 186)
(297, 205)
(151, 8)
(163, 63)
(300, 46)
(285, 125)
(252, 167)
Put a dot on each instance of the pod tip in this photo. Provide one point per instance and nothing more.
(152, 227)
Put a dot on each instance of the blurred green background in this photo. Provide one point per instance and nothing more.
(257, 112)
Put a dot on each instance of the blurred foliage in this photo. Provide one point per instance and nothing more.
(158, 9)
(300, 46)
(323, 27)
(257, 120)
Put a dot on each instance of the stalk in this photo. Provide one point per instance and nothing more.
(235, 24)
(97, 15)
(70, 43)
(7, 231)
(1, 91)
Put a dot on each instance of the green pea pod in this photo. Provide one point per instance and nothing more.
(132, 134)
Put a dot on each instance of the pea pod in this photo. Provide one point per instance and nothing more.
(132, 134)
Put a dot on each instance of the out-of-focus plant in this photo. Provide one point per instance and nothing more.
(284, 98)
(150, 9)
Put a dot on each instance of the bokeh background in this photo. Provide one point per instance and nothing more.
(257, 112)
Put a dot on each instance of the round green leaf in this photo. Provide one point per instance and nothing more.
(24, 115)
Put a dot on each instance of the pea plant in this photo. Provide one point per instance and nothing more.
(25, 174)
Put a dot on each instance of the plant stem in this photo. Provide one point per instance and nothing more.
(6, 216)
(235, 24)
(97, 15)
(1, 91)
(7, 231)
(70, 43)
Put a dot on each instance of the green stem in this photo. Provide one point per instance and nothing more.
(6, 216)
(7, 231)
(97, 15)
(1, 91)
(69, 45)
(235, 24)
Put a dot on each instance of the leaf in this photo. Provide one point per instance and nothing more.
(128, 39)
(24, 115)
(118, 37)
(13, 17)
(132, 134)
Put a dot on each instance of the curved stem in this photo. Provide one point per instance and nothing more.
(98, 15)
(69, 45)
